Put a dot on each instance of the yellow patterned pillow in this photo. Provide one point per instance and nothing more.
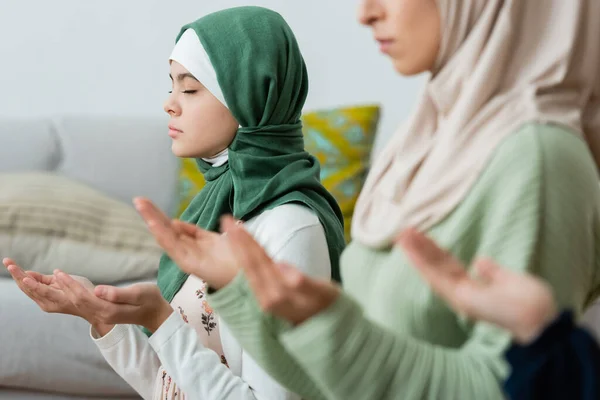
(341, 138)
(190, 183)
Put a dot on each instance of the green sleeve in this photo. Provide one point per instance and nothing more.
(258, 334)
(534, 209)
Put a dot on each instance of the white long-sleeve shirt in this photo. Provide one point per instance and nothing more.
(289, 233)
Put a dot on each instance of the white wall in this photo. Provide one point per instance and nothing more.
(110, 56)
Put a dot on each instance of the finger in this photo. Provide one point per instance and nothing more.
(292, 276)
(35, 276)
(44, 279)
(46, 301)
(260, 270)
(250, 255)
(489, 271)
(471, 296)
(43, 292)
(18, 276)
(166, 238)
(127, 295)
(436, 265)
(425, 253)
(29, 288)
(184, 228)
(472, 300)
(289, 291)
(16, 272)
(446, 275)
(304, 295)
(92, 306)
(74, 291)
(8, 261)
(149, 211)
(302, 283)
(227, 223)
(243, 244)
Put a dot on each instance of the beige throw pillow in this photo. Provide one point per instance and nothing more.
(48, 221)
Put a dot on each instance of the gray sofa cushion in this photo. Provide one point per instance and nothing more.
(51, 352)
(120, 156)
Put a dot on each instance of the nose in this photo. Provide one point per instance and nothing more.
(369, 11)
(171, 107)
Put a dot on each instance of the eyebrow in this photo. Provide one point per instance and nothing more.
(181, 77)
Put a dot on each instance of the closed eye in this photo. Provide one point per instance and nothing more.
(185, 91)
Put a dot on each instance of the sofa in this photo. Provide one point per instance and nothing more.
(46, 356)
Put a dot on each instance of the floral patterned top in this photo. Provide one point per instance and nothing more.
(190, 303)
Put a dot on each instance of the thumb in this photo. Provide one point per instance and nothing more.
(126, 295)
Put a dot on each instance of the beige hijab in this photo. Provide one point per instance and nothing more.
(502, 63)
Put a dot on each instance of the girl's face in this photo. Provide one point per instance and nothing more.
(200, 126)
(408, 31)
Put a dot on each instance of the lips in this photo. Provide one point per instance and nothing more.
(384, 45)
(173, 131)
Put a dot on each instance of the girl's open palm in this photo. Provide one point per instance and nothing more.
(45, 290)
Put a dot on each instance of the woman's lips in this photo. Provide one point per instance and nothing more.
(385, 45)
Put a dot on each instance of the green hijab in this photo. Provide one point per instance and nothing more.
(264, 81)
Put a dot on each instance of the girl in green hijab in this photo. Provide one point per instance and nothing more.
(239, 85)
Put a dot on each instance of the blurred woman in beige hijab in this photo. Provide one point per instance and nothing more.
(498, 160)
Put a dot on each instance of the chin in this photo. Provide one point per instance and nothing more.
(408, 69)
(179, 151)
(182, 151)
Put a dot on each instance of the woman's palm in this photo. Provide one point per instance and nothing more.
(518, 302)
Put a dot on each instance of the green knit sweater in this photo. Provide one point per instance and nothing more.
(535, 208)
